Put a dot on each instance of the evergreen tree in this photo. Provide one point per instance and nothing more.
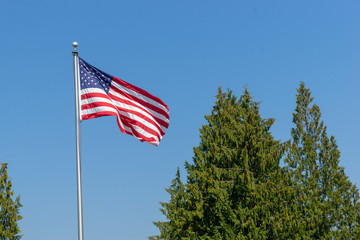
(9, 208)
(175, 211)
(327, 202)
(235, 188)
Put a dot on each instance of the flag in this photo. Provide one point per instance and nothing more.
(138, 112)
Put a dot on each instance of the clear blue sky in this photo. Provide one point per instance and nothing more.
(180, 51)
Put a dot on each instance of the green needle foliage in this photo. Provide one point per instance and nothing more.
(327, 202)
(9, 209)
(175, 211)
(235, 188)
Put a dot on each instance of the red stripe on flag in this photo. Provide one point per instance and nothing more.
(94, 94)
(98, 114)
(97, 104)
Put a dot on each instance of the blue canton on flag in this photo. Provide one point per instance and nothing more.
(91, 77)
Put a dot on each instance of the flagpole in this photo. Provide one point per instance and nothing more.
(78, 157)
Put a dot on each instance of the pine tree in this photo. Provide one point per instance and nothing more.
(9, 209)
(175, 211)
(327, 202)
(234, 185)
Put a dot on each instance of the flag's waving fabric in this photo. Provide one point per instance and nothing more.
(138, 112)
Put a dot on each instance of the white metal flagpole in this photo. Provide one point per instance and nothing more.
(78, 157)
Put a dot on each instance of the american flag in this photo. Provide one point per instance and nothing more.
(138, 112)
